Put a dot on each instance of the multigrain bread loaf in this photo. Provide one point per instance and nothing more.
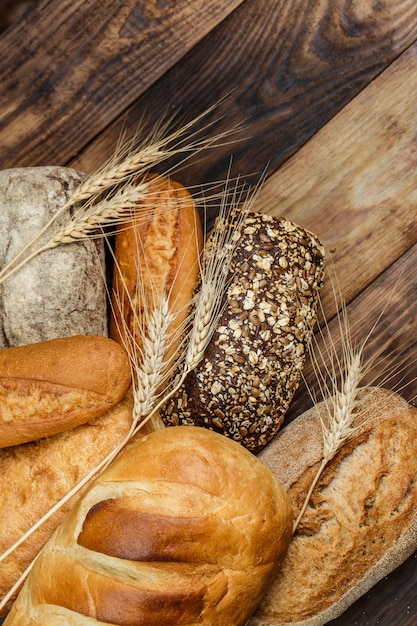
(252, 366)
(38, 474)
(171, 533)
(156, 257)
(55, 385)
(362, 519)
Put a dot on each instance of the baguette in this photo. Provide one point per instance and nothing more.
(252, 365)
(170, 533)
(362, 519)
(156, 255)
(55, 385)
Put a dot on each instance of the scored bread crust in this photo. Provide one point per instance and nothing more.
(156, 255)
(362, 519)
(184, 527)
(53, 386)
(38, 474)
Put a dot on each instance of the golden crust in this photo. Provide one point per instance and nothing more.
(219, 524)
(53, 386)
(36, 475)
(362, 519)
(157, 254)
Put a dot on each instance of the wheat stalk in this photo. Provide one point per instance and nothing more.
(340, 376)
(152, 373)
(126, 164)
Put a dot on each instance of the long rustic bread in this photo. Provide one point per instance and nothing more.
(38, 474)
(362, 519)
(252, 366)
(55, 385)
(156, 256)
(171, 533)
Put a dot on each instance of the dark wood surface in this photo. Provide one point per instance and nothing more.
(325, 92)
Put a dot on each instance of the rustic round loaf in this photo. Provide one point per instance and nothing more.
(170, 533)
(61, 291)
(361, 522)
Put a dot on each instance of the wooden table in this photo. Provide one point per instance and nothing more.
(325, 93)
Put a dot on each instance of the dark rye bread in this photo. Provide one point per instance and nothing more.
(361, 522)
(252, 365)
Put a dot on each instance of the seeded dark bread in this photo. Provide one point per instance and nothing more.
(252, 366)
(169, 534)
(361, 522)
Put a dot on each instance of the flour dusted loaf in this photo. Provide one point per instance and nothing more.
(252, 366)
(61, 291)
(362, 519)
(184, 527)
(55, 385)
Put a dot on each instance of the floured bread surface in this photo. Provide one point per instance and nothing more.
(60, 292)
(362, 519)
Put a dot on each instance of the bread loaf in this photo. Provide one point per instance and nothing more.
(60, 292)
(171, 533)
(362, 519)
(55, 385)
(252, 366)
(36, 475)
(156, 256)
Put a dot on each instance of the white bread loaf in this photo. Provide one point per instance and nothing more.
(184, 527)
(361, 522)
(38, 474)
(56, 385)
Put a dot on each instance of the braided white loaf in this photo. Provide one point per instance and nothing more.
(185, 527)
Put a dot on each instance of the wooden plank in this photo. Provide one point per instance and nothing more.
(71, 66)
(385, 315)
(290, 66)
(355, 183)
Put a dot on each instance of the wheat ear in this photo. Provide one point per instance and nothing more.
(126, 164)
(340, 378)
(149, 366)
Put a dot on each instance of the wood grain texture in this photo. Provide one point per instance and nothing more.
(355, 183)
(326, 89)
(289, 67)
(82, 64)
(385, 316)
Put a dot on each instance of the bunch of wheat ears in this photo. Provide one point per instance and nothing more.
(111, 197)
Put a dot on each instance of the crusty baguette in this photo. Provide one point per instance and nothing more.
(252, 366)
(185, 527)
(362, 519)
(156, 255)
(55, 385)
